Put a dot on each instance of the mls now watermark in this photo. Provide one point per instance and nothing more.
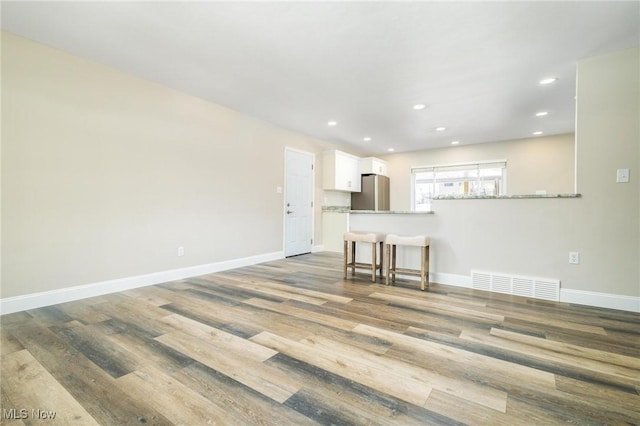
(23, 414)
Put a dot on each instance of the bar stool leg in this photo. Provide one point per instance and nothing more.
(423, 268)
(427, 266)
(346, 259)
(393, 263)
(381, 256)
(353, 258)
(373, 262)
(387, 255)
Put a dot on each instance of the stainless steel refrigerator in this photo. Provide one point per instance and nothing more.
(374, 194)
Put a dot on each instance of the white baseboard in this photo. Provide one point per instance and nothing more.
(450, 279)
(601, 300)
(316, 249)
(10, 305)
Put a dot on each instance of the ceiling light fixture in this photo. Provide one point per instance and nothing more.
(548, 80)
(455, 142)
(332, 123)
(538, 133)
(541, 113)
(367, 139)
(419, 106)
(390, 149)
(440, 129)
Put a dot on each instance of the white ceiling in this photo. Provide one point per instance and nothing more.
(476, 65)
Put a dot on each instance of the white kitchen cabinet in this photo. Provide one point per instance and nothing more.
(372, 165)
(341, 171)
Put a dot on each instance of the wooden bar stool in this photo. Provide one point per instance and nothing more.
(354, 237)
(421, 241)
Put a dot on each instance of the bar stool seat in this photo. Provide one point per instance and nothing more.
(422, 241)
(353, 237)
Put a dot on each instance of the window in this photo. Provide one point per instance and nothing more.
(486, 178)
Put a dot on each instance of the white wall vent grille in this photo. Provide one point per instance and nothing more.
(539, 288)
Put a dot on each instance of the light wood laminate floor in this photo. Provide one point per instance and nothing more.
(290, 342)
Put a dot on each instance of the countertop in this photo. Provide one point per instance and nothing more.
(388, 212)
(504, 197)
(347, 209)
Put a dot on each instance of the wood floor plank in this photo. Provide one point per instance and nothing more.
(229, 288)
(144, 348)
(467, 412)
(331, 399)
(440, 307)
(395, 319)
(249, 372)
(149, 295)
(50, 315)
(8, 343)
(628, 404)
(226, 342)
(484, 363)
(566, 408)
(597, 372)
(10, 412)
(138, 312)
(246, 317)
(587, 359)
(177, 402)
(35, 390)
(625, 362)
(558, 323)
(241, 404)
(606, 343)
(303, 314)
(466, 389)
(113, 359)
(312, 293)
(91, 386)
(377, 377)
(284, 294)
(83, 311)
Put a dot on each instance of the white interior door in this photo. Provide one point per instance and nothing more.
(298, 202)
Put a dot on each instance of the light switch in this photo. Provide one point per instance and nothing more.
(622, 176)
(279, 189)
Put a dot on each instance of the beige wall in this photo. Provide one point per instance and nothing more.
(534, 236)
(544, 163)
(104, 175)
(608, 134)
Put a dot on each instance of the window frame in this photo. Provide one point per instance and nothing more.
(500, 163)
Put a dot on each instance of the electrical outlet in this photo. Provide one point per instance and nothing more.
(622, 176)
(180, 251)
(574, 258)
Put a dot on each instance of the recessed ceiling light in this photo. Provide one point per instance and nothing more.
(440, 129)
(390, 149)
(332, 123)
(537, 133)
(541, 113)
(455, 142)
(367, 139)
(548, 80)
(419, 106)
